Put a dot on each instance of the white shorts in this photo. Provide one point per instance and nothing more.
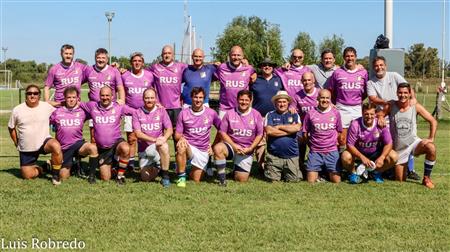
(150, 157)
(403, 155)
(348, 113)
(91, 123)
(199, 158)
(243, 161)
(127, 124)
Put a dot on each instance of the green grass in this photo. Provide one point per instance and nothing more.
(254, 216)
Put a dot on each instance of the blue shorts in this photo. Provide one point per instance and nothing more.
(319, 161)
(71, 152)
(30, 157)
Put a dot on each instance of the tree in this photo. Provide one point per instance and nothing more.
(258, 38)
(123, 61)
(421, 62)
(364, 62)
(336, 45)
(304, 42)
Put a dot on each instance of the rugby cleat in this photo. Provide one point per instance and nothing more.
(165, 182)
(354, 178)
(56, 180)
(377, 177)
(120, 180)
(413, 175)
(91, 180)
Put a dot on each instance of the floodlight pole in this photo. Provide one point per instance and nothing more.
(388, 21)
(109, 16)
(4, 49)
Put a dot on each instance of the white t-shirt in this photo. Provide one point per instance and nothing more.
(385, 88)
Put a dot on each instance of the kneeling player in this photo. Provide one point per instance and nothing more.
(68, 121)
(370, 144)
(241, 130)
(321, 129)
(192, 135)
(153, 127)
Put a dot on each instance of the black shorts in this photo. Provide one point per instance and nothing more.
(71, 152)
(30, 157)
(173, 115)
(106, 156)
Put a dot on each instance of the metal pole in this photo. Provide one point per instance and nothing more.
(4, 62)
(388, 24)
(109, 16)
(443, 43)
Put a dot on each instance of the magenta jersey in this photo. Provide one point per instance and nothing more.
(108, 76)
(306, 102)
(292, 78)
(322, 128)
(167, 81)
(368, 140)
(106, 121)
(232, 80)
(60, 77)
(68, 125)
(349, 87)
(196, 126)
(134, 86)
(152, 123)
(242, 128)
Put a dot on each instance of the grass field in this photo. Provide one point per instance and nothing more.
(254, 216)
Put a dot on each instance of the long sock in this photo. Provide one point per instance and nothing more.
(122, 167)
(428, 165)
(56, 169)
(131, 162)
(411, 163)
(221, 165)
(93, 164)
(165, 174)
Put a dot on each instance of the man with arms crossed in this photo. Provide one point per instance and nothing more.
(370, 144)
(62, 75)
(135, 82)
(68, 121)
(192, 135)
(153, 127)
(321, 129)
(241, 130)
(403, 126)
(29, 130)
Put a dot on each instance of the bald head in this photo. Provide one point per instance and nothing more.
(297, 57)
(167, 54)
(236, 55)
(324, 99)
(308, 81)
(197, 57)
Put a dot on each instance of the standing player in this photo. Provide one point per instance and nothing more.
(152, 127)
(370, 144)
(323, 71)
(29, 131)
(197, 75)
(321, 129)
(348, 89)
(135, 82)
(292, 76)
(241, 130)
(106, 117)
(68, 122)
(192, 135)
(403, 126)
(62, 75)
(234, 76)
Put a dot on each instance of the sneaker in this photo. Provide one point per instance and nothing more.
(56, 180)
(120, 180)
(427, 182)
(413, 175)
(377, 178)
(181, 182)
(91, 180)
(354, 178)
(165, 182)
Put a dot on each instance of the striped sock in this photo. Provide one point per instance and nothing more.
(428, 165)
(122, 166)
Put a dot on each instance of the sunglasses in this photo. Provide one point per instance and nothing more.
(297, 57)
(32, 93)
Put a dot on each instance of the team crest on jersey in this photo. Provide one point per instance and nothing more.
(206, 121)
(108, 77)
(377, 134)
(290, 119)
(243, 74)
(332, 118)
(77, 114)
(145, 83)
(359, 78)
(202, 74)
(113, 111)
(175, 70)
(275, 83)
(251, 122)
(76, 71)
(157, 118)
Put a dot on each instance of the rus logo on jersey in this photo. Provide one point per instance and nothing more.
(242, 132)
(295, 83)
(69, 122)
(198, 130)
(234, 84)
(168, 80)
(351, 85)
(104, 119)
(150, 126)
(71, 80)
(324, 126)
(136, 90)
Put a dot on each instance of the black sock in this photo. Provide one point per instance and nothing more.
(428, 167)
(93, 164)
(165, 174)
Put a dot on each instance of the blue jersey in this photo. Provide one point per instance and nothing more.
(193, 77)
(263, 90)
(285, 146)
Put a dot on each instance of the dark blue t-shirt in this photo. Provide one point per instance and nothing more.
(263, 90)
(193, 77)
(285, 146)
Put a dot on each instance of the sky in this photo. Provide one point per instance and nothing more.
(36, 29)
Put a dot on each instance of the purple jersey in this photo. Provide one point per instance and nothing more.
(349, 87)
(60, 77)
(292, 78)
(108, 76)
(69, 125)
(106, 121)
(135, 85)
(242, 128)
(232, 80)
(322, 128)
(167, 81)
(152, 123)
(196, 126)
(305, 102)
(368, 140)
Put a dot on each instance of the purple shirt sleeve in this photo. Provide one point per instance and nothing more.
(386, 136)
(352, 135)
(135, 120)
(216, 120)
(224, 124)
(179, 126)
